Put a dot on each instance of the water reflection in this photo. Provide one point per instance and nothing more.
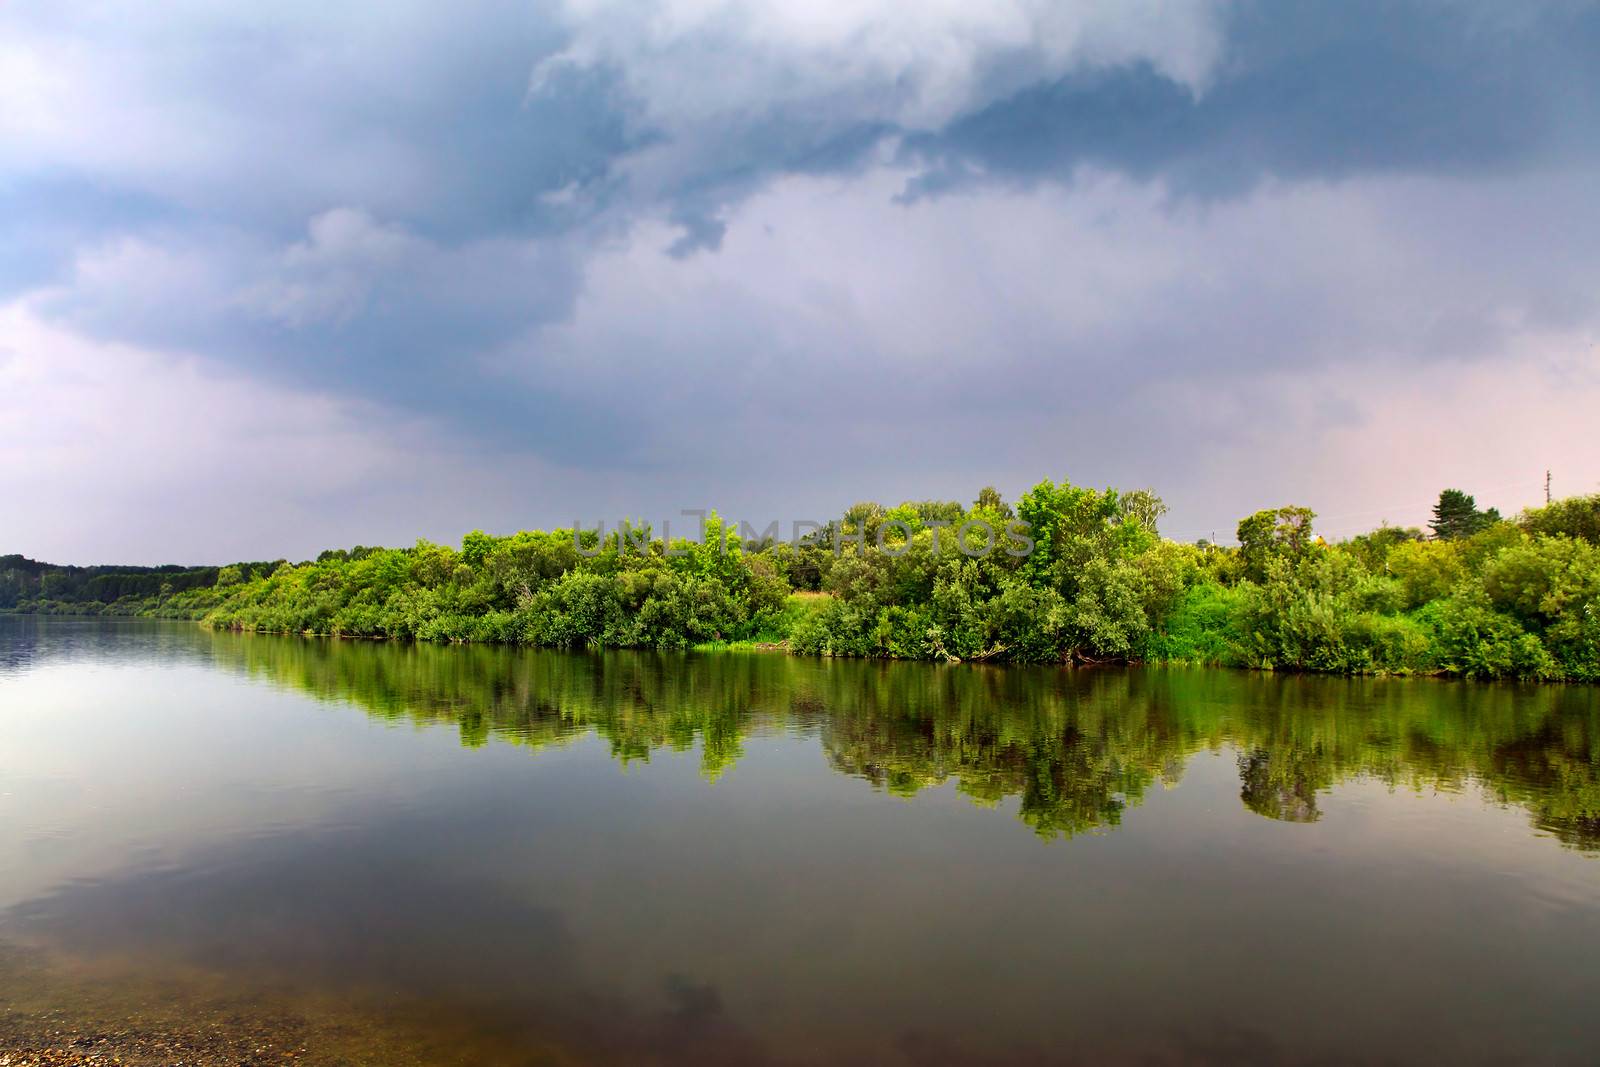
(1078, 748)
(215, 808)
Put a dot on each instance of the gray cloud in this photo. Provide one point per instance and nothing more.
(1308, 92)
(656, 249)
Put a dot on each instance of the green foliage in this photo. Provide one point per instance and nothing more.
(1318, 613)
(1202, 627)
(1426, 570)
(1456, 515)
(1577, 517)
(1551, 586)
(1376, 547)
(1487, 598)
(1273, 534)
(1473, 639)
(990, 500)
(28, 585)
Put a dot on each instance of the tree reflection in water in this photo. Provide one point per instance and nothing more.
(1077, 748)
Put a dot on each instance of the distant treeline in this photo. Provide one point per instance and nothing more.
(26, 584)
(1475, 594)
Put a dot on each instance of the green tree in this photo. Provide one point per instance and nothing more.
(989, 499)
(1456, 515)
(475, 549)
(1577, 516)
(1273, 532)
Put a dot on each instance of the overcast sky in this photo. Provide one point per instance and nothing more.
(276, 277)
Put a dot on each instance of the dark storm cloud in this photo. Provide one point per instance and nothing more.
(599, 233)
(1307, 91)
(431, 123)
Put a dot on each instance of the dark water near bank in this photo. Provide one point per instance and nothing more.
(514, 856)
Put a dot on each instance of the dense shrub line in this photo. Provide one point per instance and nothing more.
(1481, 597)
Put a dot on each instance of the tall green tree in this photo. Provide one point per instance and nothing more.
(1456, 515)
(1284, 531)
(989, 499)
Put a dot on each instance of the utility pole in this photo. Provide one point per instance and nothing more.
(1547, 485)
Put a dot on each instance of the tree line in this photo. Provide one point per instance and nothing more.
(1475, 594)
(27, 584)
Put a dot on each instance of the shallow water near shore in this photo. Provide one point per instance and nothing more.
(360, 851)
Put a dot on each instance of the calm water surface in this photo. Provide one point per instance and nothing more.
(519, 857)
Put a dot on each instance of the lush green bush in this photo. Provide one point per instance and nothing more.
(1576, 517)
(1070, 574)
(1473, 639)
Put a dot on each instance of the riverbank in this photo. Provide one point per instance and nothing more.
(1099, 585)
(1207, 655)
(70, 1011)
